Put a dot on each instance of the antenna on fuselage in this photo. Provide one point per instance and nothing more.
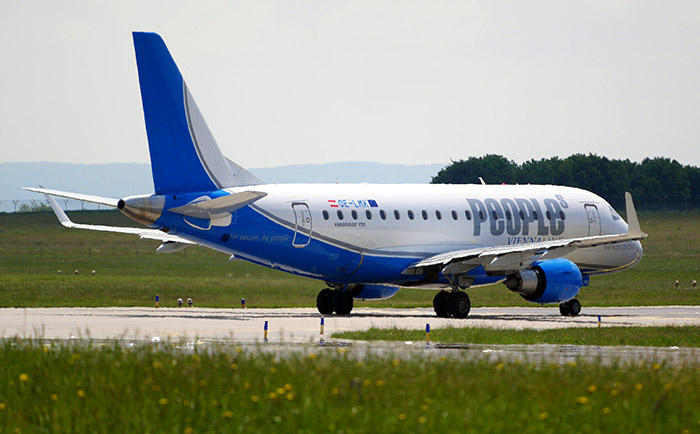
(482, 181)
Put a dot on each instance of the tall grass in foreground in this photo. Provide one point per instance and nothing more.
(58, 387)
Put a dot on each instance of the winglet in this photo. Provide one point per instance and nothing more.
(62, 216)
(633, 228)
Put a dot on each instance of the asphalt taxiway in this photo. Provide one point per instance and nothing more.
(302, 325)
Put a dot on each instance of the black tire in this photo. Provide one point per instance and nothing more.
(459, 305)
(564, 309)
(441, 303)
(342, 302)
(574, 307)
(324, 301)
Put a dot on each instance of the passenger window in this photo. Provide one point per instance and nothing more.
(325, 215)
(368, 213)
(495, 216)
(354, 214)
(410, 214)
(340, 215)
(397, 215)
(534, 215)
(424, 214)
(438, 215)
(508, 215)
(468, 215)
(382, 214)
(562, 215)
(549, 215)
(522, 215)
(454, 215)
(481, 215)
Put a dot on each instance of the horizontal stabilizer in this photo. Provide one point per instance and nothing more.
(77, 196)
(143, 233)
(205, 209)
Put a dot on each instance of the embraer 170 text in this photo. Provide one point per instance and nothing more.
(364, 241)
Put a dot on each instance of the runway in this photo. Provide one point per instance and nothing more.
(302, 325)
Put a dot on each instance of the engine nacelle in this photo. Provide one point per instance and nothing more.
(549, 281)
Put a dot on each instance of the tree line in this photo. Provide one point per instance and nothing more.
(655, 183)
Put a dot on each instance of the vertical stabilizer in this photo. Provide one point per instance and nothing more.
(184, 154)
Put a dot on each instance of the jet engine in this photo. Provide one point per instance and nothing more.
(549, 281)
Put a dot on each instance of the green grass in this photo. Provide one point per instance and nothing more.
(34, 246)
(54, 387)
(685, 336)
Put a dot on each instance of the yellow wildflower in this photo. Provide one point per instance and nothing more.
(422, 419)
(163, 401)
(395, 362)
(246, 385)
(402, 416)
(639, 386)
(592, 388)
(3, 406)
(189, 430)
(23, 378)
(80, 393)
(614, 392)
(424, 407)
(582, 400)
(54, 397)
(335, 391)
(543, 416)
(280, 391)
(312, 356)
(227, 414)
(656, 366)
(287, 387)
(234, 366)
(499, 366)
(272, 395)
(605, 410)
(379, 383)
(254, 398)
(273, 369)
(290, 396)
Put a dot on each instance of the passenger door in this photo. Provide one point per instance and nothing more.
(302, 224)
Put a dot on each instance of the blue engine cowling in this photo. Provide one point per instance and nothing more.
(549, 281)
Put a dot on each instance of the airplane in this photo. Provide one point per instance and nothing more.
(364, 241)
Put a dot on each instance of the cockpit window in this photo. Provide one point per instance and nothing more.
(615, 215)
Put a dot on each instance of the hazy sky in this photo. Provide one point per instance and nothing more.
(288, 82)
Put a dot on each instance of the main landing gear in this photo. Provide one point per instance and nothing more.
(334, 300)
(451, 304)
(570, 308)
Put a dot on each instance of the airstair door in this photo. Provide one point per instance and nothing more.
(302, 224)
(593, 220)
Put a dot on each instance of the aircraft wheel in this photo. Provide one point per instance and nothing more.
(564, 309)
(342, 302)
(324, 301)
(570, 308)
(574, 307)
(459, 304)
(441, 303)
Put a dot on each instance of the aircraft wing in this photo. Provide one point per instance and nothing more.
(503, 258)
(143, 233)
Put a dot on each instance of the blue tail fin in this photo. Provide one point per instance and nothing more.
(184, 154)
